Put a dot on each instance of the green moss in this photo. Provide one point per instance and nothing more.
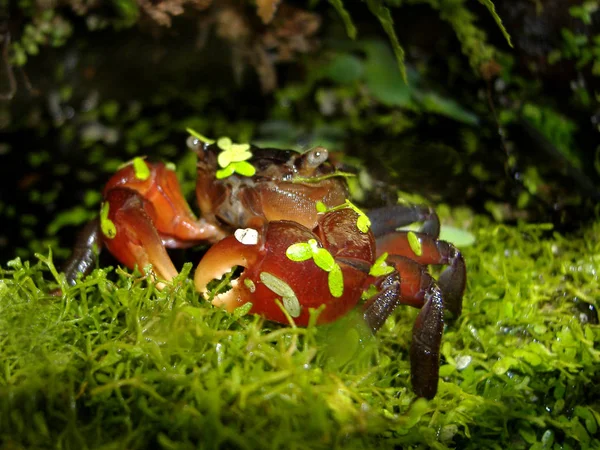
(116, 363)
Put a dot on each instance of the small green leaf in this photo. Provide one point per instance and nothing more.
(233, 158)
(501, 366)
(299, 252)
(345, 16)
(199, 136)
(140, 169)
(327, 176)
(244, 168)
(280, 287)
(292, 306)
(224, 159)
(277, 285)
(106, 225)
(321, 207)
(380, 268)
(363, 223)
(336, 281)
(224, 173)
(224, 143)
(250, 285)
(382, 13)
(492, 9)
(324, 260)
(415, 243)
(242, 310)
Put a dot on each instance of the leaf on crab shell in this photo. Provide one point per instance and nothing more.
(224, 143)
(323, 259)
(415, 243)
(363, 223)
(244, 168)
(300, 251)
(380, 267)
(226, 172)
(277, 285)
(224, 159)
(281, 288)
(106, 225)
(321, 207)
(335, 280)
(140, 169)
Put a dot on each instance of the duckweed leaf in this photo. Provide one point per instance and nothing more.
(106, 225)
(244, 168)
(292, 305)
(335, 280)
(280, 287)
(324, 260)
(232, 152)
(299, 252)
(321, 207)
(277, 285)
(380, 268)
(363, 223)
(140, 169)
(226, 172)
(415, 243)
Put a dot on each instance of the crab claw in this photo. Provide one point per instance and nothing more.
(271, 276)
(242, 249)
(170, 214)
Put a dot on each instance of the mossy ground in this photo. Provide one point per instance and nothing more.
(114, 363)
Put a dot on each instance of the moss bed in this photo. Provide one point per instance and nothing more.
(114, 363)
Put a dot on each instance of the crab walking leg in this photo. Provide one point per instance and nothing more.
(134, 239)
(425, 249)
(389, 218)
(416, 288)
(87, 244)
(379, 307)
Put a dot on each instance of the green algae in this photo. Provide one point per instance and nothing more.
(116, 363)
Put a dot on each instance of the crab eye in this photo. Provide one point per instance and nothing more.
(317, 156)
(193, 143)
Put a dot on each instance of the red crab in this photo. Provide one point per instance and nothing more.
(285, 218)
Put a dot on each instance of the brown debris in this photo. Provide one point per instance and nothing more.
(290, 32)
(161, 11)
(267, 9)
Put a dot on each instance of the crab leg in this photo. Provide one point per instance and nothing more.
(135, 240)
(87, 243)
(425, 249)
(417, 288)
(388, 218)
(160, 217)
